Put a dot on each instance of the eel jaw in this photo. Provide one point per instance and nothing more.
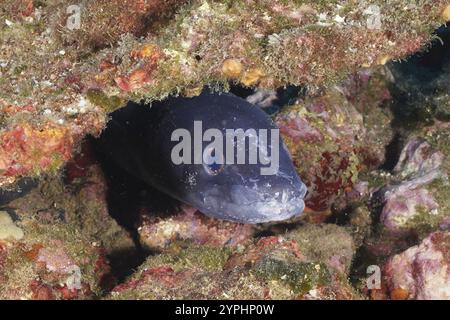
(252, 204)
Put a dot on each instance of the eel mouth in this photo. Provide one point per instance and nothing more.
(252, 204)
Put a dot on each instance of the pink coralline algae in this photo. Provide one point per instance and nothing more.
(55, 259)
(423, 271)
(25, 148)
(419, 160)
(327, 137)
(28, 149)
(50, 271)
(191, 226)
(403, 204)
(410, 202)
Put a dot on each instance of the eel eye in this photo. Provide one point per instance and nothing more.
(213, 161)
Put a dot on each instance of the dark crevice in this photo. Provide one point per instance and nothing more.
(420, 81)
(392, 152)
(125, 262)
(22, 187)
(128, 197)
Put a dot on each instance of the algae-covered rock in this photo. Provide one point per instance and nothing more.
(416, 201)
(191, 226)
(52, 262)
(63, 66)
(331, 244)
(413, 200)
(327, 136)
(421, 272)
(405, 206)
(195, 273)
(271, 268)
(70, 237)
(204, 257)
(80, 204)
(278, 261)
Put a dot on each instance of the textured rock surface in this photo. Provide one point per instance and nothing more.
(414, 201)
(68, 239)
(331, 244)
(422, 271)
(59, 78)
(327, 136)
(404, 204)
(193, 227)
(272, 267)
(52, 262)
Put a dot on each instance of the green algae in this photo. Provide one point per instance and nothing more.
(206, 258)
(300, 276)
(101, 99)
(320, 242)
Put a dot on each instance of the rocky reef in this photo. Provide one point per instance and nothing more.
(64, 67)
(359, 90)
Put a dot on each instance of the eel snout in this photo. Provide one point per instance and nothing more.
(256, 203)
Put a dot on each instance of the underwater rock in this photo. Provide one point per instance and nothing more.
(360, 223)
(204, 273)
(419, 159)
(55, 256)
(54, 70)
(191, 226)
(329, 243)
(271, 268)
(25, 149)
(421, 272)
(327, 137)
(420, 84)
(105, 21)
(52, 262)
(283, 262)
(76, 199)
(89, 210)
(39, 144)
(326, 168)
(405, 204)
(412, 203)
(75, 204)
(165, 283)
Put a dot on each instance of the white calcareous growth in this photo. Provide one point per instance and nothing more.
(8, 230)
